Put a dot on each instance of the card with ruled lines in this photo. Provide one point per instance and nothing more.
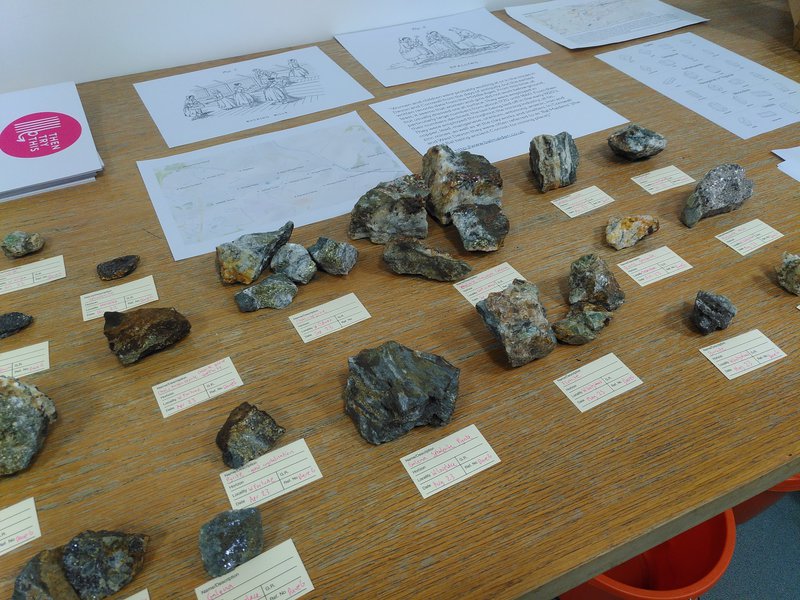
(317, 322)
(749, 237)
(598, 381)
(196, 386)
(118, 298)
(743, 353)
(654, 266)
(496, 279)
(31, 275)
(661, 180)
(583, 201)
(19, 525)
(24, 361)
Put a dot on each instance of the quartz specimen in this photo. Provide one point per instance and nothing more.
(247, 434)
(590, 280)
(294, 261)
(482, 227)
(517, 318)
(712, 312)
(389, 209)
(391, 389)
(19, 243)
(624, 232)
(144, 331)
(243, 259)
(276, 291)
(554, 161)
(723, 189)
(457, 178)
(117, 268)
(635, 142)
(13, 322)
(100, 563)
(25, 416)
(42, 578)
(582, 324)
(789, 273)
(336, 258)
(408, 256)
(230, 539)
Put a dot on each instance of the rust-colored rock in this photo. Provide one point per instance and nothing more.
(139, 333)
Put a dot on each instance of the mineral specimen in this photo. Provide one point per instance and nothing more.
(712, 312)
(554, 161)
(336, 258)
(142, 332)
(624, 232)
(19, 243)
(230, 539)
(42, 578)
(13, 322)
(294, 261)
(723, 189)
(408, 256)
(789, 273)
(457, 178)
(243, 259)
(391, 389)
(25, 416)
(276, 291)
(391, 208)
(582, 324)
(482, 227)
(100, 563)
(517, 318)
(590, 280)
(247, 434)
(635, 142)
(117, 268)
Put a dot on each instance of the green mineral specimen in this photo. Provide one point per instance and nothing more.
(276, 291)
(19, 243)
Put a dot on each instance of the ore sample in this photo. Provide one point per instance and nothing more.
(230, 539)
(457, 178)
(100, 563)
(336, 258)
(723, 189)
(635, 142)
(142, 332)
(243, 259)
(25, 416)
(408, 256)
(391, 389)
(294, 261)
(482, 227)
(13, 322)
(590, 280)
(390, 209)
(19, 243)
(42, 578)
(581, 324)
(789, 273)
(712, 312)
(117, 268)
(276, 291)
(247, 434)
(554, 161)
(624, 232)
(518, 320)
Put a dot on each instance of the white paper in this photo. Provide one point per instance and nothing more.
(25, 361)
(600, 380)
(788, 153)
(32, 274)
(205, 104)
(583, 201)
(654, 266)
(743, 353)
(118, 298)
(791, 168)
(317, 322)
(587, 23)
(749, 237)
(197, 386)
(496, 279)
(424, 49)
(661, 180)
(19, 525)
(143, 595)
(496, 115)
(722, 86)
(304, 174)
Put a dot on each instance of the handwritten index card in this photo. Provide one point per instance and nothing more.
(315, 323)
(597, 382)
(196, 386)
(581, 202)
(654, 266)
(743, 353)
(24, 361)
(496, 279)
(118, 298)
(19, 525)
(661, 180)
(33, 274)
(749, 237)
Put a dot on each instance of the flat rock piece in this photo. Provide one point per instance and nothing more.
(19, 243)
(517, 318)
(25, 416)
(789, 273)
(243, 259)
(723, 189)
(482, 227)
(100, 563)
(276, 291)
(390, 209)
(230, 539)
(144, 331)
(624, 232)
(13, 322)
(590, 280)
(635, 142)
(42, 578)
(336, 258)
(457, 178)
(294, 261)
(582, 324)
(247, 434)
(712, 312)
(408, 256)
(392, 389)
(117, 268)
(554, 161)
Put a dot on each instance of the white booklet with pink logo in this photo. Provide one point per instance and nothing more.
(45, 141)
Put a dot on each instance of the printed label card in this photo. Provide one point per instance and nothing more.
(749, 237)
(24, 361)
(19, 525)
(581, 202)
(743, 353)
(31, 275)
(654, 266)
(118, 298)
(326, 318)
(143, 595)
(196, 386)
(661, 180)
(597, 382)
(496, 279)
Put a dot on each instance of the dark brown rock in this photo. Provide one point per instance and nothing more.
(117, 268)
(247, 434)
(139, 333)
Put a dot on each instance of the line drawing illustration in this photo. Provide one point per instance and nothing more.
(423, 47)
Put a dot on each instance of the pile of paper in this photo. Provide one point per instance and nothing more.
(791, 161)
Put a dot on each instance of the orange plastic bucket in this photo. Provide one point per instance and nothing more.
(759, 503)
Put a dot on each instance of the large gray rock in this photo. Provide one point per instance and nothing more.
(723, 189)
(482, 227)
(712, 312)
(590, 280)
(789, 273)
(144, 331)
(294, 261)
(25, 417)
(336, 258)
(230, 539)
(243, 259)
(42, 578)
(407, 256)
(247, 434)
(390, 209)
(554, 161)
(635, 142)
(275, 291)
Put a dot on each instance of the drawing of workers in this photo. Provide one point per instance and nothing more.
(440, 45)
(414, 51)
(273, 87)
(224, 102)
(296, 72)
(193, 108)
(469, 40)
(241, 96)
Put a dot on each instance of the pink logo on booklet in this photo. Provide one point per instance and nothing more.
(39, 134)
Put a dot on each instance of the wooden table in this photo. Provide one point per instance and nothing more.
(575, 493)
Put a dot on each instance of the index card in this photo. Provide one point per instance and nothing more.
(743, 353)
(33, 274)
(654, 266)
(143, 595)
(662, 179)
(196, 386)
(19, 525)
(24, 361)
(583, 201)
(315, 323)
(496, 279)
(118, 298)
(597, 382)
(749, 237)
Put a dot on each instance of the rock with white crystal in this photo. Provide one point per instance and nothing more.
(590, 280)
(635, 142)
(275, 291)
(581, 324)
(25, 417)
(336, 258)
(43, 578)
(243, 259)
(554, 161)
(407, 256)
(789, 273)
(482, 227)
(723, 189)
(19, 243)
(624, 232)
(294, 261)
(390, 209)
(712, 312)
(230, 539)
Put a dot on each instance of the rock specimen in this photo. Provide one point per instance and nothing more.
(100, 563)
(19, 243)
(712, 312)
(13, 322)
(25, 416)
(392, 389)
(144, 331)
(457, 178)
(294, 261)
(243, 259)
(230, 539)
(517, 318)
(42, 578)
(389, 209)
(482, 227)
(247, 434)
(336, 258)
(117, 268)
(276, 291)
(723, 189)
(635, 142)
(789, 273)
(624, 232)
(554, 161)
(582, 324)
(590, 280)
(408, 256)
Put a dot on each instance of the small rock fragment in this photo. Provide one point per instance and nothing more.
(390, 209)
(42, 578)
(554, 161)
(25, 416)
(392, 389)
(13, 322)
(144, 331)
(581, 324)
(712, 312)
(517, 318)
(276, 291)
(247, 434)
(789, 273)
(482, 227)
(230, 539)
(624, 232)
(336, 258)
(635, 142)
(408, 256)
(590, 280)
(294, 261)
(19, 243)
(117, 268)
(723, 189)
(243, 259)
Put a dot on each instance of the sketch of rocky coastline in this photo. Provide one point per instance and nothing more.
(418, 50)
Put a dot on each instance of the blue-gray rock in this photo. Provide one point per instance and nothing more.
(407, 256)
(19, 243)
(294, 261)
(275, 291)
(247, 434)
(25, 417)
(789, 273)
(336, 258)
(243, 259)
(390, 209)
(42, 578)
(230, 539)
(712, 312)
(117, 268)
(581, 324)
(554, 161)
(13, 322)
(590, 280)
(635, 142)
(482, 227)
(723, 189)
(144, 331)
